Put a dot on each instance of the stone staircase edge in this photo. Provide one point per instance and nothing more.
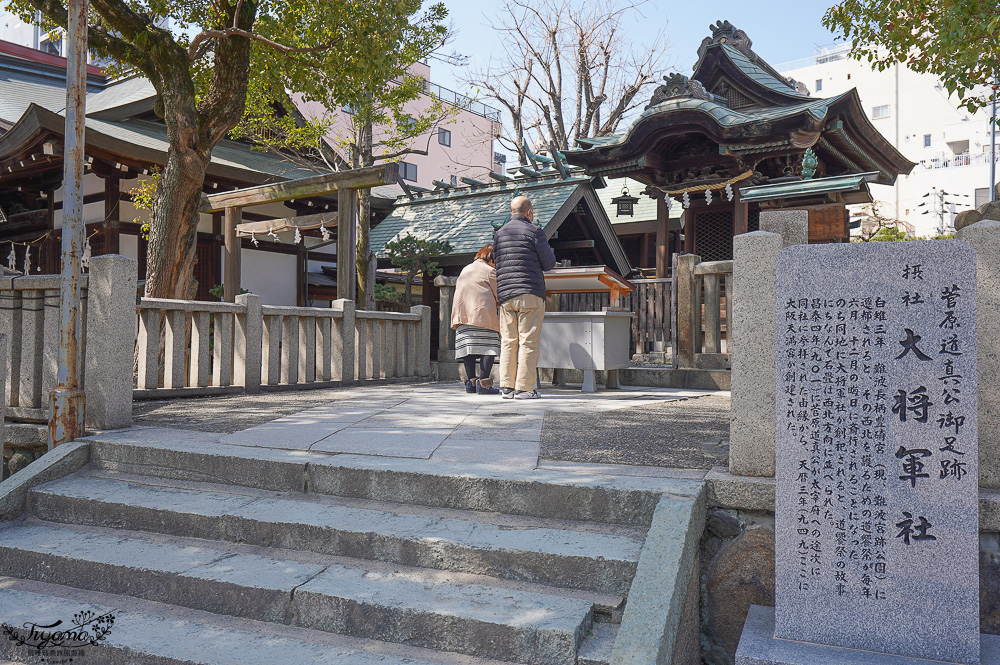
(58, 462)
(652, 628)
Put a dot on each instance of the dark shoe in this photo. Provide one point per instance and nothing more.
(485, 387)
(470, 386)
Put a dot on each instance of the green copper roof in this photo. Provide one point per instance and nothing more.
(758, 73)
(805, 188)
(463, 216)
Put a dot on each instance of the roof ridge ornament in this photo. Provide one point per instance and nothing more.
(678, 85)
(724, 32)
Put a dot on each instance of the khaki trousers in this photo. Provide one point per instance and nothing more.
(520, 340)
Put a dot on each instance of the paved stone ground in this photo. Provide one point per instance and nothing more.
(689, 434)
(642, 427)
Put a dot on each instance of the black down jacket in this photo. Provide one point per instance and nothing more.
(521, 254)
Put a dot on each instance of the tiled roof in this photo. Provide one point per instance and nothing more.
(762, 75)
(463, 216)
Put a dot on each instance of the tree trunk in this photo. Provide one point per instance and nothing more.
(366, 285)
(173, 236)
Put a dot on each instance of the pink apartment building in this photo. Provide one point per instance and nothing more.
(461, 146)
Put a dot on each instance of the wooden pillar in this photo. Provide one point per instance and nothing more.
(232, 267)
(689, 231)
(347, 213)
(741, 218)
(662, 238)
(112, 205)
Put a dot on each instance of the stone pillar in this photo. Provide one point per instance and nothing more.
(447, 366)
(688, 336)
(422, 362)
(3, 385)
(984, 237)
(752, 339)
(343, 338)
(110, 341)
(249, 337)
(791, 225)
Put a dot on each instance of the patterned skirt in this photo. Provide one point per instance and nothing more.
(474, 341)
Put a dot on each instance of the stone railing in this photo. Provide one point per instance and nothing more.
(29, 317)
(212, 348)
(704, 294)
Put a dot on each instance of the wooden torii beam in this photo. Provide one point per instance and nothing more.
(345, 183)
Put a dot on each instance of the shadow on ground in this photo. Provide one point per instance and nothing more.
(690, 433)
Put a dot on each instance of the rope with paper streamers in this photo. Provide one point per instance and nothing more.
(702, 188)
(12, 256)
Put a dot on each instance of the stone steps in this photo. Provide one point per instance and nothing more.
(408, 607)
(376, 560)
(564, 554)
(150, 632)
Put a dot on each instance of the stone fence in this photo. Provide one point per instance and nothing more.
(189, 347)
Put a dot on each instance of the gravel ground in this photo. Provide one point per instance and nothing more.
(690, 433)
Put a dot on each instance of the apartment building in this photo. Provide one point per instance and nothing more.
(950, 145)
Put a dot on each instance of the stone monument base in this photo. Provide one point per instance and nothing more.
(758, 646)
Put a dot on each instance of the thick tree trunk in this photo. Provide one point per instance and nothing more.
(173, 237)
(366, 283)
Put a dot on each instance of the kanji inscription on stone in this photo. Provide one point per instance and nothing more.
(876, 458)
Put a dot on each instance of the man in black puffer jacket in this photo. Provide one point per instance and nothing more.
(521, 254)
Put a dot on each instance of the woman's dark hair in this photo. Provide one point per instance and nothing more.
(486, 253)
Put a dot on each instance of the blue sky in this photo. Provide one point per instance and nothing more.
(781, 30)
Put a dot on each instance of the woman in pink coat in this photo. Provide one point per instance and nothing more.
(476, 321)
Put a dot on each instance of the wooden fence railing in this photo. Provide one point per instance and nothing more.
(652, 302)
(703, 297)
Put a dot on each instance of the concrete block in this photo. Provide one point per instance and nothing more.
(343, 341)
(984, 237)
(56, 463)
(422, 350)
(791, 225)
(653, 628)
(111, 342)
(727, 490)
(248, 360)
(758, 646)
(752, 339)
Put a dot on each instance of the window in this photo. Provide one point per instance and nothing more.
(406, 123)
(408, 171)
(444, 136)
(819, 85)
(880, 111)
(454, 180)
(982, 196)
(347, 109)
(927, 140)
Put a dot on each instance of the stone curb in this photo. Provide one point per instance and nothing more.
(54, 464)
(660, 624)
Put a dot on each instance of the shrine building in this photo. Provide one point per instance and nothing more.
(736, 138)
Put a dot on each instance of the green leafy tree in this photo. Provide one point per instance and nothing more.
(955, 40)
(201, 70)
(415, 256)
(372, 105)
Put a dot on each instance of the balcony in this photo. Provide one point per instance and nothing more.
(961, 159)
(461, 101)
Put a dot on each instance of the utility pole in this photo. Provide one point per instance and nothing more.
(939, 207)
(66, 420)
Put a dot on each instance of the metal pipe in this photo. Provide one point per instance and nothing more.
(993, 143)
(67, 419)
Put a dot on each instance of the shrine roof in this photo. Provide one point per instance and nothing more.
(854, 186)
(467, 217)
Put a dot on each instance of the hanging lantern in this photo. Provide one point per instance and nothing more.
(708, 196)
(625, 203)
(685, 200)
(729, 190)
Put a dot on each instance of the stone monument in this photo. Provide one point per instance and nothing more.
(876, 459)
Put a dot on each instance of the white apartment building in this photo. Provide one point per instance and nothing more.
(915, 113)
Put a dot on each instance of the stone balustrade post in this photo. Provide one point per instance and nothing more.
(752, 339)
(249, 339)
(447, 367)
(984, 236)
(423, 347)
(688, 329)
(4, 340)
(110, 338)
(343, 338)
